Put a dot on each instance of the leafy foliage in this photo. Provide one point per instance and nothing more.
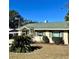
(67, 17)
(58, 40)
(15, 20)
(45, 38)
(21, 44)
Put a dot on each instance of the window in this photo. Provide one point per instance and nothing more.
(57, 34)
(40, 33)
(58, 38)
(61, 34)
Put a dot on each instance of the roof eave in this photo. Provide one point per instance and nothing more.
(51, 29)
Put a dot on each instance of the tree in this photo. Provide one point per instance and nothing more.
(15, 19)
(67, 17)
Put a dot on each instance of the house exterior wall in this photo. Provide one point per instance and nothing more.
(19, 33)
(40, 38)
(37, 39)
(49, 35)
(65, 37)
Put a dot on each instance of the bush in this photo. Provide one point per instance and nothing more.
(10, 36)
(58, 40)
(21, 44)
(45, 39)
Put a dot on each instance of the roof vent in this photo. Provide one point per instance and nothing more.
(45, 21)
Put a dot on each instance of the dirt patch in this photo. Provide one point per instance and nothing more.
(43, 51)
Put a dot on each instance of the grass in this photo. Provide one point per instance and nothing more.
(47, 51)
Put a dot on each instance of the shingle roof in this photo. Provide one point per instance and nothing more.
(49, 26)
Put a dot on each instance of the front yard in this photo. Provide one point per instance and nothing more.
(44, 51)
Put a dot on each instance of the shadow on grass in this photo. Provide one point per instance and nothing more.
(35, 47)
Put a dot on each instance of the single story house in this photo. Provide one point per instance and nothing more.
(53, 29)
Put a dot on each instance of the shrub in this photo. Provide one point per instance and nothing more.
(10, 36)
(21, 44)
(58, 40)
(45, 39)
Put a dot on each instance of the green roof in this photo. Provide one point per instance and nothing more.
(49, 26)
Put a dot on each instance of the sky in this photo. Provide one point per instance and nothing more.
(40, 10)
